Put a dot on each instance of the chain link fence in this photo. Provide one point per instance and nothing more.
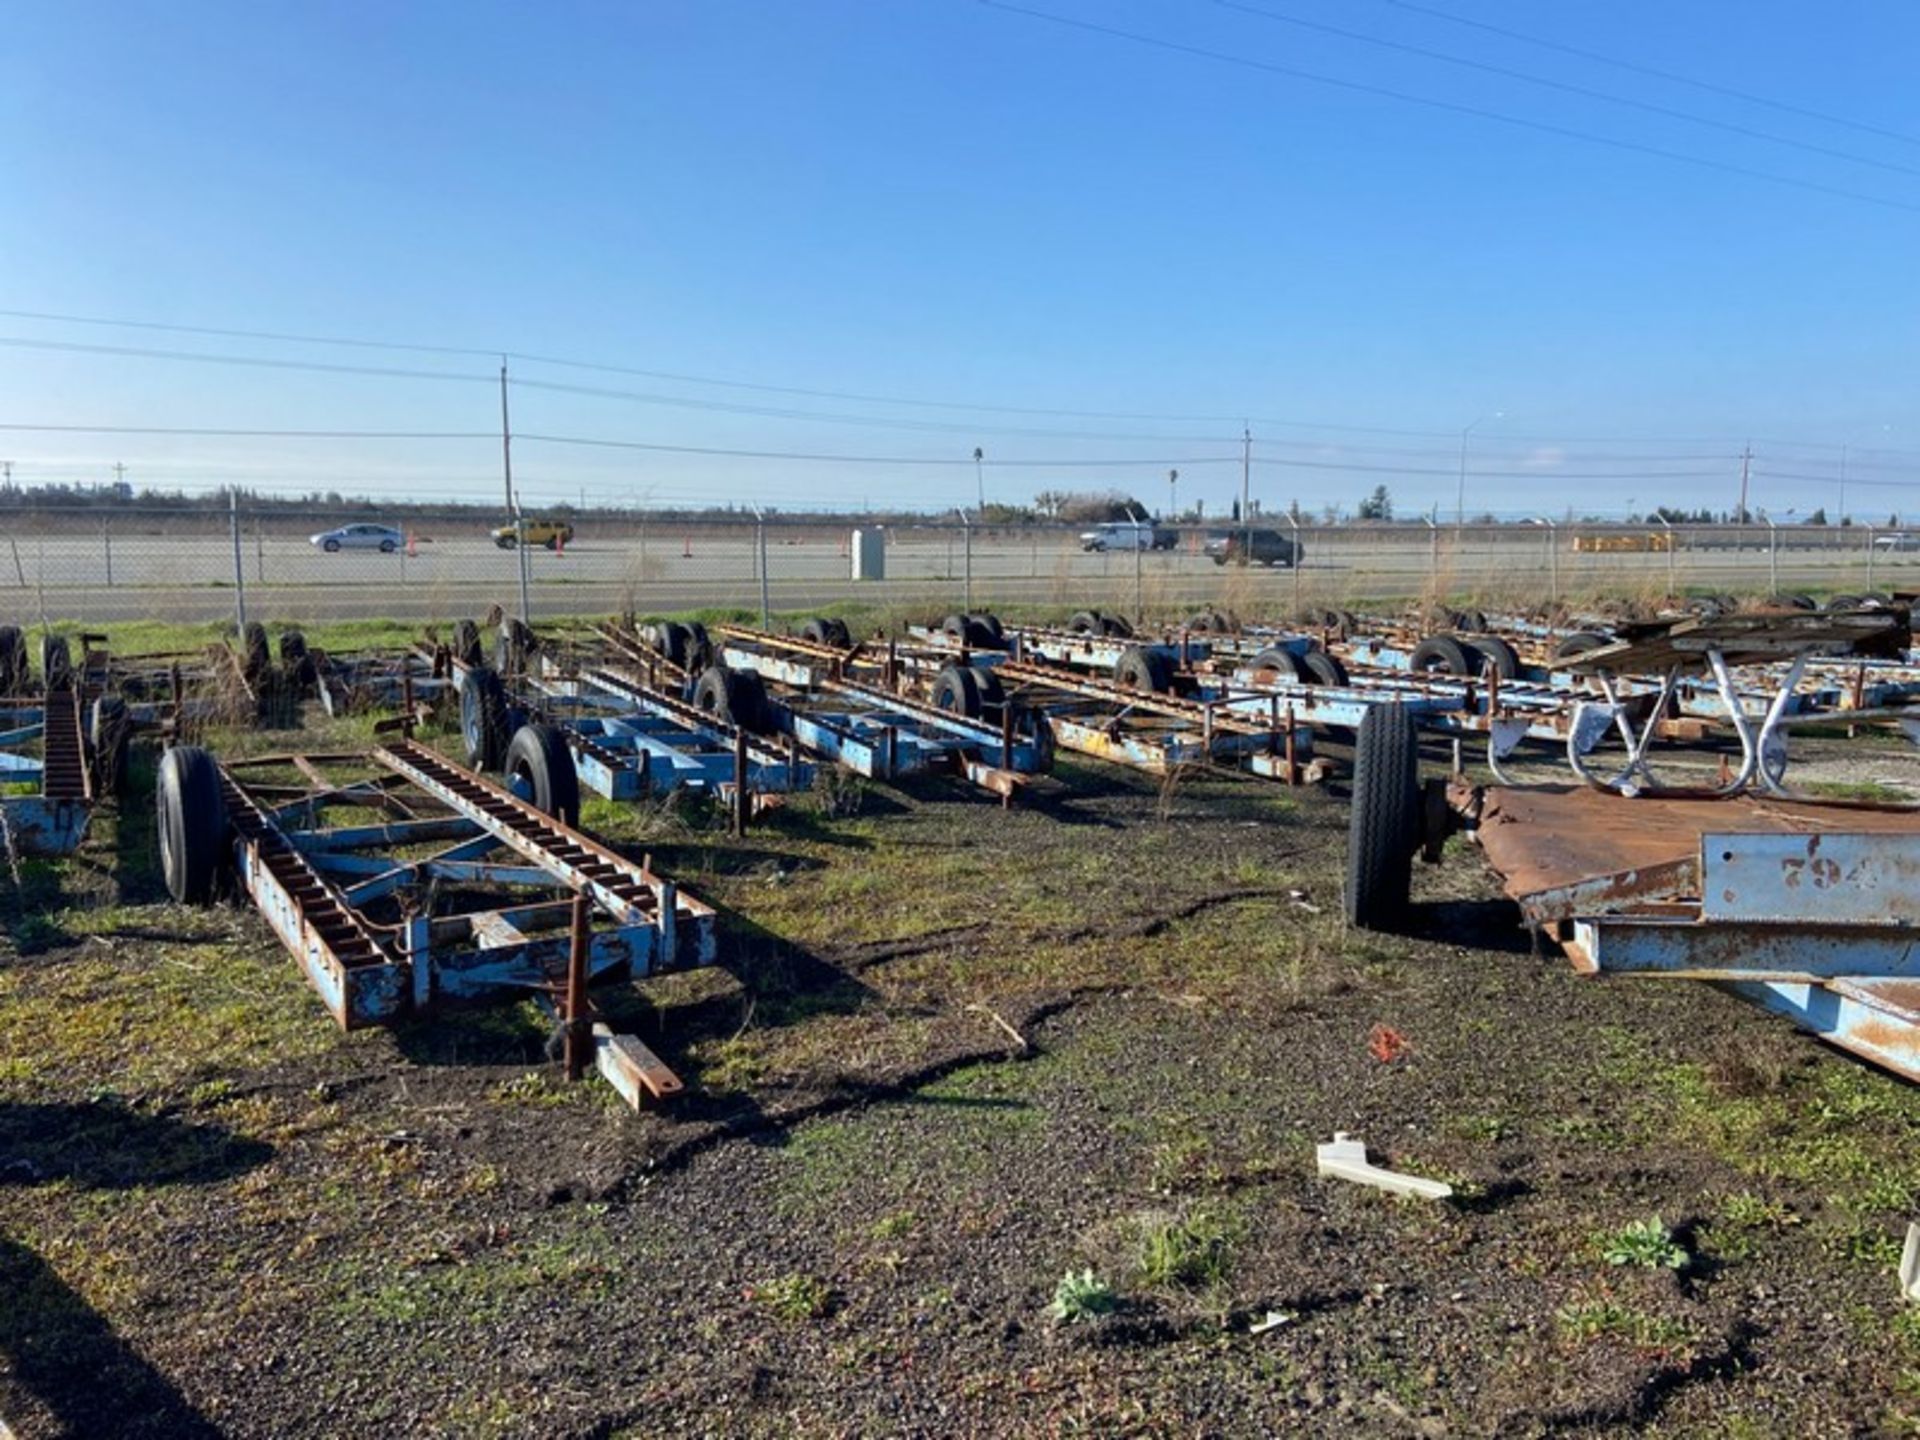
(96, 566)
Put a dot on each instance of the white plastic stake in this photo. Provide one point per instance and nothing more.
(1346, 1159)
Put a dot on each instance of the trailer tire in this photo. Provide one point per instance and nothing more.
(191, 813)
(1139, 668)
(514, 642)
(738, 697)
(700, 649)
(984, 632)
(1579, 643)
(255, 653)
(1282, 661)
(817, 631)
(1445, 654)
(957, 691)
(540, 762)
(13, 660)
(1474, 622)
(466, 644)
(298, 661)
(1087, 622)
(994, 628)
(1116, 626)
(1324, 669)
(56, 663)
(1384, 827)
(483, 718)
(1500, 658)
(993, 695)
(108, 732)
(1844, 602)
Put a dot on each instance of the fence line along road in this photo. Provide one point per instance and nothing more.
(100, 565)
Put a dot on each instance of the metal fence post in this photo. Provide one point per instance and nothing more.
(106, 546)
(1433, 556)
(1773, 555)
(966, 544)
(520, 559)
(766, 607)
(1672, 585)
(259, 551)
(1298, 556)
(239, 568)
(1553, 563)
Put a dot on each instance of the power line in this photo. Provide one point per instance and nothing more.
(1707, 85)
(1566, 87)
(865, 459)
(21, 343)
(211, 431)
(1455, 107)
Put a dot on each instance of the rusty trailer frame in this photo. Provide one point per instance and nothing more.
(1811, 910)
(43, 746)
(355, 904)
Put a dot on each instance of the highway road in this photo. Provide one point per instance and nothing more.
(192, 578)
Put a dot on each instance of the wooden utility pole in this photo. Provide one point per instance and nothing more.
(1246, 493)
(1746, 464)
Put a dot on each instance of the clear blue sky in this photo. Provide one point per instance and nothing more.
(939, 200)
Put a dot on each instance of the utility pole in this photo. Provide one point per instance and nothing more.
(979, 480)
(119, 473)
(1841, 518)
(506, 437)
(1173, 495)
(1746, 465)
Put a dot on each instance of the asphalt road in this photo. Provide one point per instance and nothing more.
(83, 578)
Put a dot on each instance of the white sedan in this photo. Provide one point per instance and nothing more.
(383, 538)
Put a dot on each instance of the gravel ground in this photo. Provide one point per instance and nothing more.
(955, 1053)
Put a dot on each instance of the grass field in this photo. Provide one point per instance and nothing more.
(953, 1055)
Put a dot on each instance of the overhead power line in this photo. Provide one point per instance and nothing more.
(1710, 87)
(1360, 87)
(221, 431)
(1566, 87)
(969, 462)
(22, 343)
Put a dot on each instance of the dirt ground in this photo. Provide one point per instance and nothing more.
(953, 1054)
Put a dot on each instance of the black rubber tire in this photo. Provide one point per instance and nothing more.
(1087, 622)
(13, 660)
(1341, 624)
(332, 547)
(513, 646)
(1324, 669)
(1499, 657)
(539, 763)
(1139, 668)
(109, 733)
(466, 643)
(387, 547)
(994, 628)
(839, 635)
(1579, 643)
(956, 690)
(1843, 602)
(297, 660)
(1201, 624)
(701, 651)
(739, 697)
(1474, 622)
(1286, 665)
(484, 722)
(993, 695)
(1789, 602)
(817, 631)
(984, 632)
(1445, 654)
(255, 653)
(191, 814)
(672, 640)
(1383, 829)
(56, 663)
(1116, 626)
(552, 542)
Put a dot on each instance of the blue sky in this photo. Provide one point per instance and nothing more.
(944, 201)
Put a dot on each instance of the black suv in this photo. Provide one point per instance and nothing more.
(1262, 547)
